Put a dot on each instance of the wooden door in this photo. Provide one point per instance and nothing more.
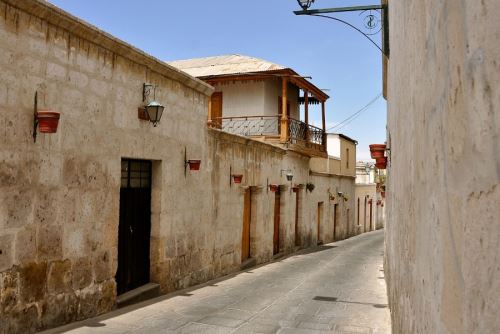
(134, 229)
(247, 217)
(358, 210)
(320, 216)
(297, 239)
(216, 109)
(364, 215)
(371, 214)
(277, 213)
(335, 208)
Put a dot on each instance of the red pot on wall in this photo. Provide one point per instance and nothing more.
(377, 150)
(48, 121)
(274, 187)
(383, 194)
(237, 178)
(295, 189)
(194, 164)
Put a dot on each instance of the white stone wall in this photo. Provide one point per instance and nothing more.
(443, 187)
(243, 98)
(368, 192)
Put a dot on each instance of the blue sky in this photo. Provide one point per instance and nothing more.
(337, 57)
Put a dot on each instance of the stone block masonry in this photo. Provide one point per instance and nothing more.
(443, 212)
(60, 196)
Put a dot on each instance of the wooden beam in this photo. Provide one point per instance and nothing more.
(323, 115)
(306, 113)
(284, 119)
(324, 123)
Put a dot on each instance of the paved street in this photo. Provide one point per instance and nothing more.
(335, 288)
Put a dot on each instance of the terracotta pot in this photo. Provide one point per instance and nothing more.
(295, 189)
(48, 121)
(274, 187)
(377, 150)
(382, 194)
(381, 163)
(237, 178)
(194, 164)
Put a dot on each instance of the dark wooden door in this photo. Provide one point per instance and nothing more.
(335, 206)
(134, 231)
(277, 213)
(247, 218)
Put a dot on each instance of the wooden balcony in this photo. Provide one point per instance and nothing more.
(290, 133)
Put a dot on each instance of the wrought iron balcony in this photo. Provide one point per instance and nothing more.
(269, 128)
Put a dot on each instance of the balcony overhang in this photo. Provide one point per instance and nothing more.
(293, 77)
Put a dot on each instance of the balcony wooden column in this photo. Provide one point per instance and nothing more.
(324, 122)
(284, 111)
(306, 113)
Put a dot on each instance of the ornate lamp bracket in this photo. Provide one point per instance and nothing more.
(375, 19)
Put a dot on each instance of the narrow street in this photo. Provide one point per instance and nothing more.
(335, 288)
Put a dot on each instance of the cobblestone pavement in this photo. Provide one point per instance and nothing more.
(335, 288)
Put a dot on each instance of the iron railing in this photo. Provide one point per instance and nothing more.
(298, 131)
(302, 132)
(248, 125)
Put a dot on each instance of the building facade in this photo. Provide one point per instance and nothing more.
(110, 202)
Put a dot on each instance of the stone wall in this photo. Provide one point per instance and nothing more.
(443, 221)
(368, 192)
(60, 195)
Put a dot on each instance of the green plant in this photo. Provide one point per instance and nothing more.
(310, 187)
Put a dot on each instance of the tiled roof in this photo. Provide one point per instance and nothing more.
(224, 65)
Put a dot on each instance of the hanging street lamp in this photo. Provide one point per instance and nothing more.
(305, 4)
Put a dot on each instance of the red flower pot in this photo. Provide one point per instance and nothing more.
(382, 194)
(194, 164)
(377, 150)
(295, 189)
(48, 121)
(381, 163)
(237, 178)
(274, 187)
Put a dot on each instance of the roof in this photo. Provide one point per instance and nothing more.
(235, 66)
(223, 65)
(344, 137)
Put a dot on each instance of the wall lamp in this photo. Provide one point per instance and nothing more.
(289, 175)
(153, 110)
(194, 164)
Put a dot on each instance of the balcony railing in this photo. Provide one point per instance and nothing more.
(248, 125)
(297, 132)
